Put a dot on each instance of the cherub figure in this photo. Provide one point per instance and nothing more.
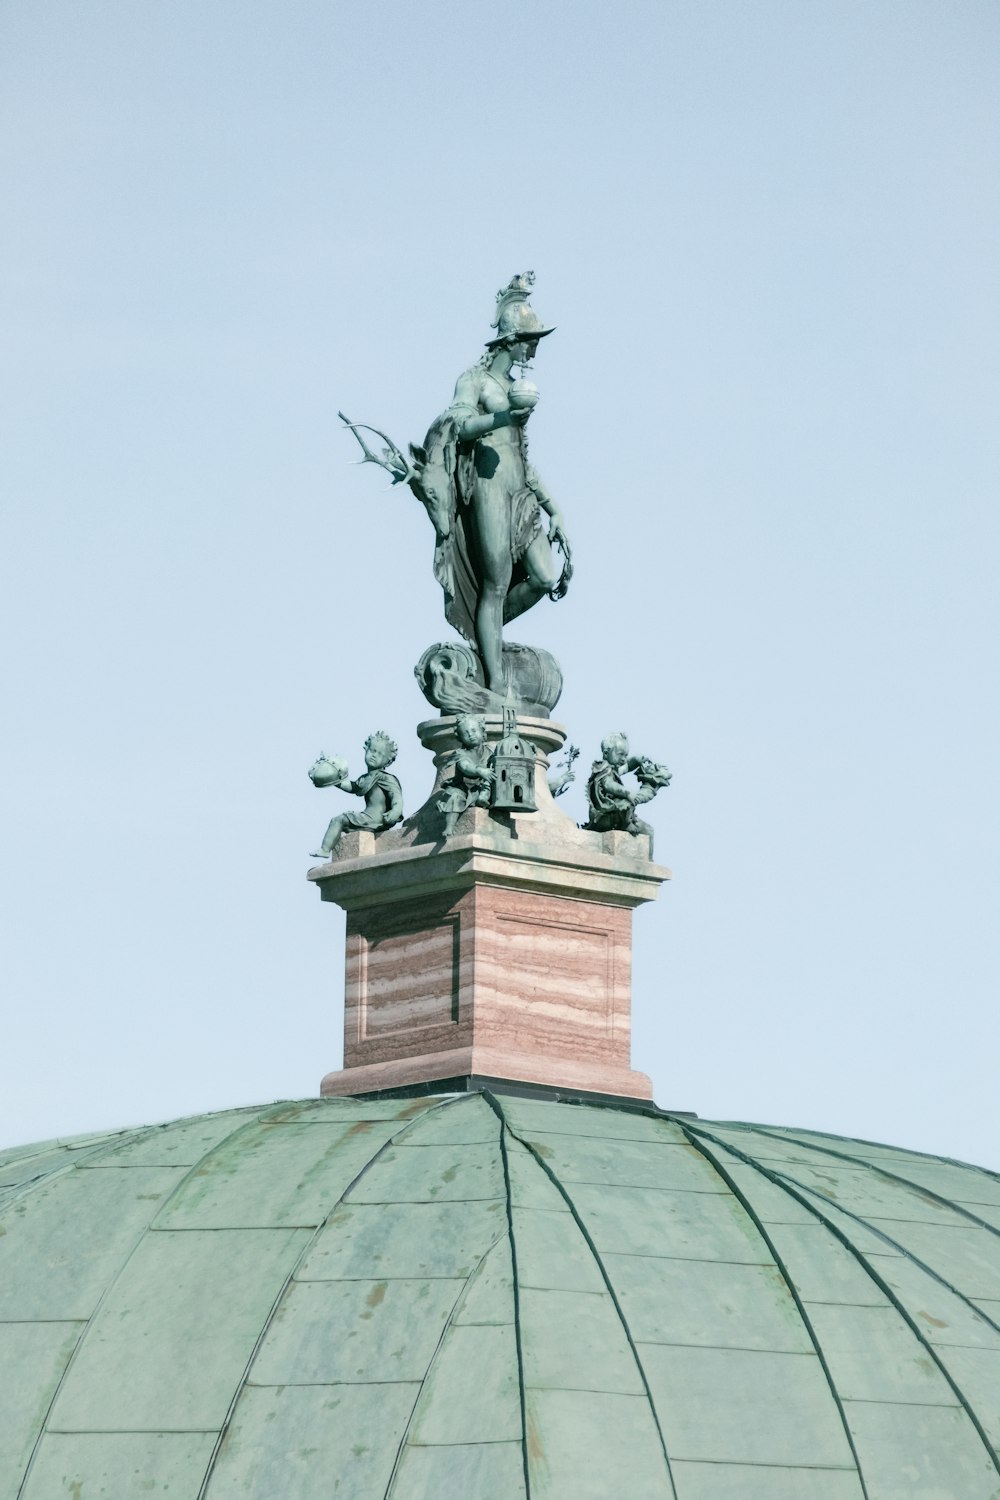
(472, 782)
(612, 805)
(382, 792)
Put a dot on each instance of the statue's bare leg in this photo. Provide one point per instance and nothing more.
(330, 839)
(492, 529)
(521, 597)
(543, 575)
(489, 633)
(638, 826)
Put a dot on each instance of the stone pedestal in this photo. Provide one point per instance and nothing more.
(504, 952)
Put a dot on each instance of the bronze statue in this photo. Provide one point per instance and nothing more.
(500, 547)
(494, 556)
(612, 805)
(471, 783)
(382, 792)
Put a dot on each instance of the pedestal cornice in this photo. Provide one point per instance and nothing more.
(613, 868)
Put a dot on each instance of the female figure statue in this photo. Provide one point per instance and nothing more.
(493, 556)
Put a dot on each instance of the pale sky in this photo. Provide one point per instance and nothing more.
(769, 234)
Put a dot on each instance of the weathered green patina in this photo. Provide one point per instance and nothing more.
(611, 803)
(494, 556)
(381, 790)
(471, 781)
(491, 1297)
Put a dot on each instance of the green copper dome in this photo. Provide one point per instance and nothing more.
(480, 1298)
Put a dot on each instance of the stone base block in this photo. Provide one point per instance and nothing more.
(491, 980)
(621, 1083)
(504, 952)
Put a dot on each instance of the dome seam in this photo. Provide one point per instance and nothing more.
(112, 1283)
(272, 1311)
(694, 1137)
(73, 1160)
(905, 1314)
(84, 1157)
(918, 1187)
(797, 1191)
(515, 1291)
(602, 1269)
(794, 1190)
(794, 1134)
(449, 1324)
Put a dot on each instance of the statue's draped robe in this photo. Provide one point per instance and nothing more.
(374, 816)
(606, 791)
(457, 793)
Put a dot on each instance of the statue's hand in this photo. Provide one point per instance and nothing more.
(557, 532)
(560, 781)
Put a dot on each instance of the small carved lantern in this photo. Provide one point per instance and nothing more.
(513, 765)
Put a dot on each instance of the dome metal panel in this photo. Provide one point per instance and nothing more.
(497, 1298)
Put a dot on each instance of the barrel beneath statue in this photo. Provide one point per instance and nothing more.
(451, 677)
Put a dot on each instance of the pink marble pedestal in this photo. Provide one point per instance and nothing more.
(504, 952)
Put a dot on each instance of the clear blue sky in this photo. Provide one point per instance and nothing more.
(769, 233)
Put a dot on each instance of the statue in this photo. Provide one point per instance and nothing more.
(494, 557)
(612, 805)
(500, 547)
(382, 792)
(472, 782)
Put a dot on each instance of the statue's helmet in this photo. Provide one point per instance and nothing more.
(516, 321)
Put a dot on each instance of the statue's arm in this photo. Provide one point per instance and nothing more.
(473, 771)
(652, 776)
(534, 479)
(546, 501)
(394, 811)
